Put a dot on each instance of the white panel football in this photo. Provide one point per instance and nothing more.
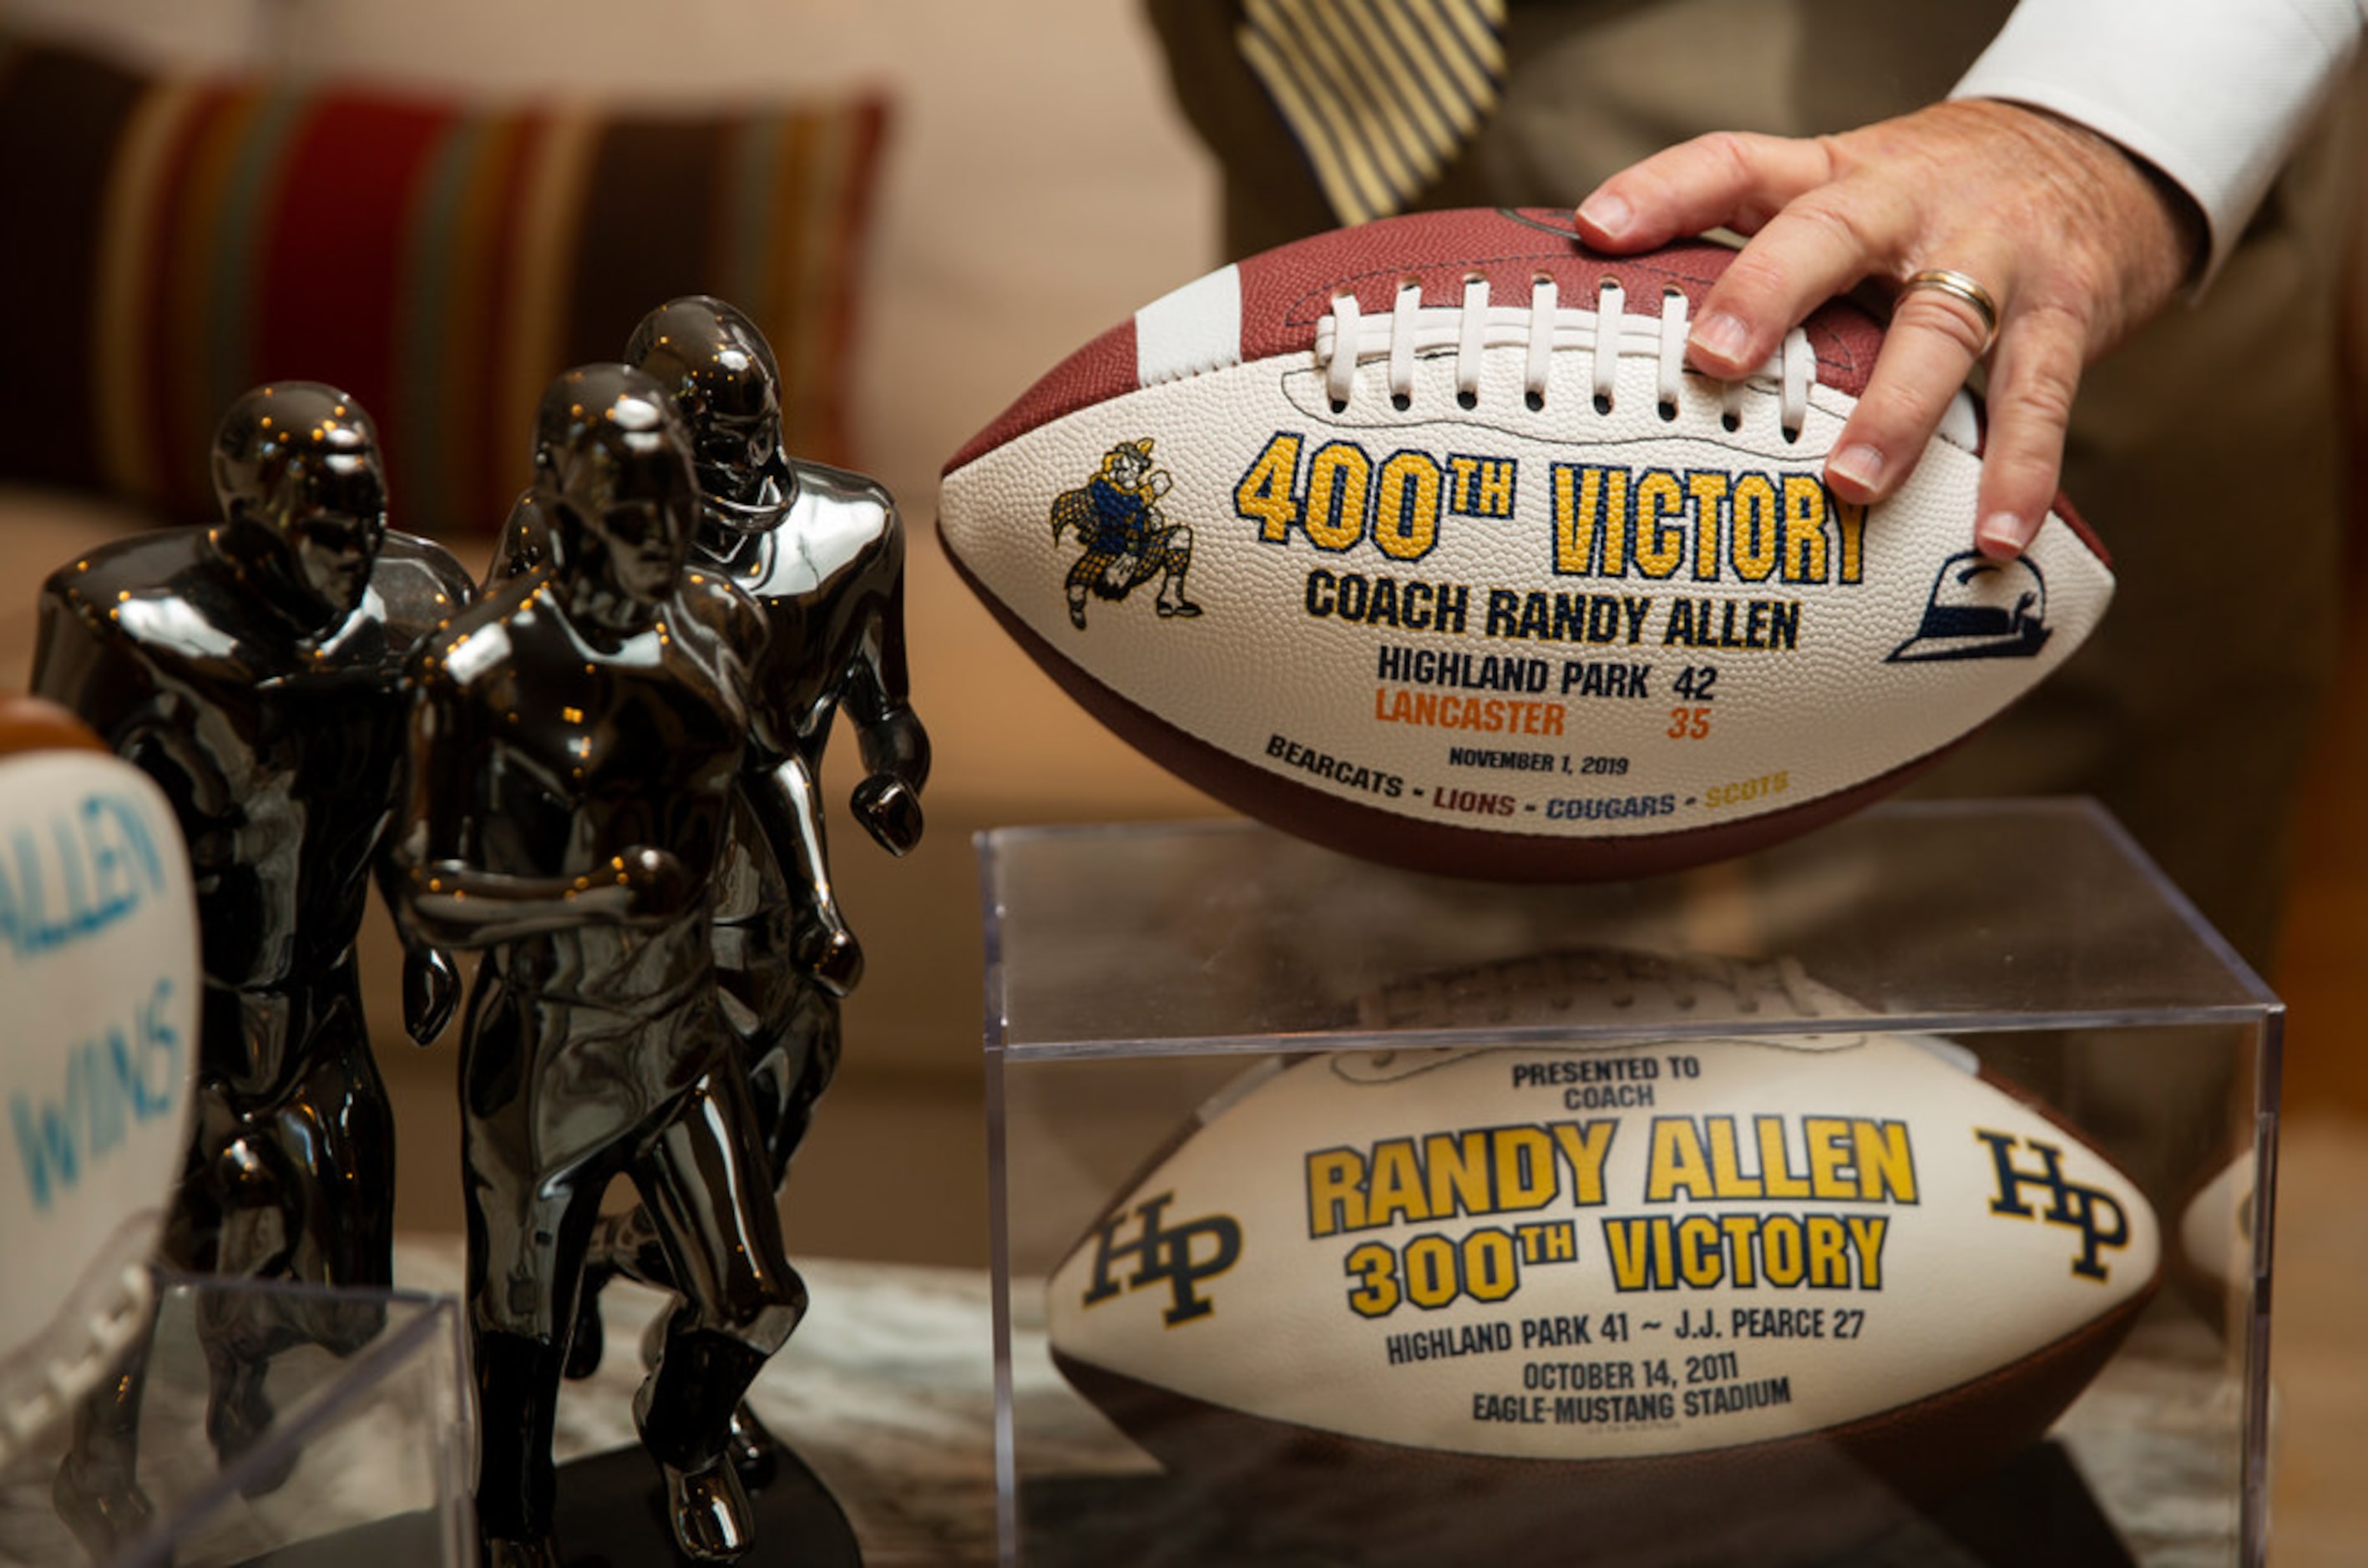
(1735, 1268)
(98, 991)
(1418, 540)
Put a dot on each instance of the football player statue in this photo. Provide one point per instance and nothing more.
(577, 751)
(822, 551)
(252, 668)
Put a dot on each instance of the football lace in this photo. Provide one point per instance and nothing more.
(1576, 984)
(111, 1313)
(1410, 330)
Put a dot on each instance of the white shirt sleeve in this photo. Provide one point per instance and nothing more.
(2213, 93)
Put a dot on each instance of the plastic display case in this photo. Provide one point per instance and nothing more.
(365, 1462)
(1144, 982)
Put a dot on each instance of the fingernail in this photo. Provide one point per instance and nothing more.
(1607, 214)
(1722, 337)
(2001, 536)
(1858, 463)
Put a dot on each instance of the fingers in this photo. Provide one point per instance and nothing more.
(1814, 249)
(1729, 179)
(1815, 233)
(2074, 241)
(1930, 347)
(2033, 379)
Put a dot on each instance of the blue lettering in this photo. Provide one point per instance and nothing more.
(113, 1080)
(105, 863)
(45, 1146)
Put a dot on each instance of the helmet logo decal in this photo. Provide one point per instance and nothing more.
(1980, 609)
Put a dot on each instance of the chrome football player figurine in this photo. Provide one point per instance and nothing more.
(579, 754)
(252, 668)
(822, 552)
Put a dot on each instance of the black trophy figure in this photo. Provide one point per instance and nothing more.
(578, 746)
(822, 551)
(253, 669)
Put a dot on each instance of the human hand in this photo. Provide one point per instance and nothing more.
(2077, 241)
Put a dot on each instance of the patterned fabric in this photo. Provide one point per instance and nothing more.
(1381, 94)
(172, 242)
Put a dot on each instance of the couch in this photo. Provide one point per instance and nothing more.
(1034, 185)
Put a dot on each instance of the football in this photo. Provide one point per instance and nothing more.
(98, 982)
(1677, 1300)
(1418, 540)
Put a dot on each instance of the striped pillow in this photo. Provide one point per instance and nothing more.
(173, 240)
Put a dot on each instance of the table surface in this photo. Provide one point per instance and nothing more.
(887, 1391)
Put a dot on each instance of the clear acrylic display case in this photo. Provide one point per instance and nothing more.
(1133, 972)
(365, 1464)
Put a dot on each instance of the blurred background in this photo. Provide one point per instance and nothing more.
(926, 203)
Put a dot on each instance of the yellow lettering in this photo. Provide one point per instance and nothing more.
(1574, 531)
(1850, 524)
(1805, 529)
(1709, 493)
(1526, 1176)
(1726, 1168)
(1753, 547)
(1432, 1280)
(1677, 1165)
(1698, 1254)
(1740, 1229)
(1336, 1191)
(1590, 518)
(1613, 509)
(1464, 468)
(1832, 1175)
(1457, 1164)
(1585, 1146)
(1886, 1167)
(1497, 488)
(1828, 1253)
(1624, 1240)
(1396, 1192)
(1406, 512)
(1264, 493)
(1338, 477)
(1775, 1165)
(1866, 1233)
(1660, 543)
(1375, 1269)
(1780, 1250)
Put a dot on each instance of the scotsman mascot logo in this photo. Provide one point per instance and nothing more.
(1128, 540)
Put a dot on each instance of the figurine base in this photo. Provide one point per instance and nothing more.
(612, 1511)
(612, 1514)
(2036, 1513)
(381, 1543)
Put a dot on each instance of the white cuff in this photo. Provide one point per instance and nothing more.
(2213, 93)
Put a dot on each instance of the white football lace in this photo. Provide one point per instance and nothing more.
(1472, 325)
(111, 1323)
(1541, 988)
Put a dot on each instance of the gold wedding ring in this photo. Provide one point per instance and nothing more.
(1957, 285)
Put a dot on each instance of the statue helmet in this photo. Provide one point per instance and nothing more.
(302, 488)
(612, 461)
(722, 373)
